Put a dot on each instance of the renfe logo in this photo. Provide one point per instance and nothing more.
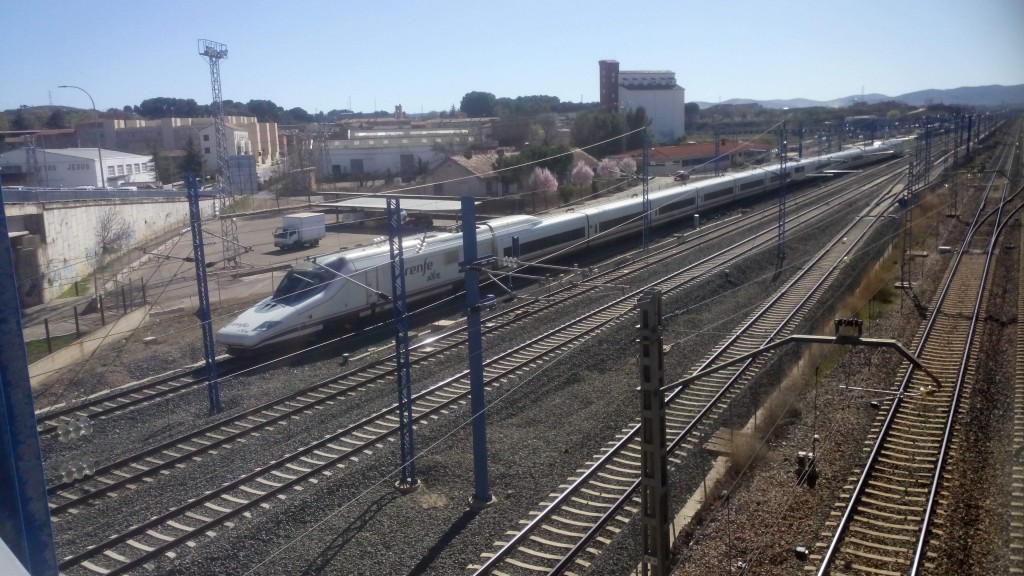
(426, 268)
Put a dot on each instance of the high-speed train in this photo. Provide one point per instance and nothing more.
(339, 288)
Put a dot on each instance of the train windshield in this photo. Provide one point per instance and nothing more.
(301, 284)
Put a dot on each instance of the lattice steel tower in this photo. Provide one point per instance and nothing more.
(214, 52)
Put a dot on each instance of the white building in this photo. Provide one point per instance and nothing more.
(398, 151)
(662, 99)
(75, 167)
(237, 144)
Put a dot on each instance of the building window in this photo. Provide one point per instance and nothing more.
(128, 168)
(138, 169)
(120, 169)
(206, 150)
(110, 170)
(206, 137)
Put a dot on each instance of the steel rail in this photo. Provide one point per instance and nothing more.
(128, 470)
(859, 488)
(511, 545)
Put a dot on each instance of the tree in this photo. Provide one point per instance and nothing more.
(298, 115)
(165, 170)
(635, 120)
(627, 167)
(264, 110)
(526, 106)
(113, 232)
(57, 119)
(23, 120)
(544, 183)
(582, 175)
(478, 104)
(542, 180)
(691, 111)
(556, 159)
(608, 168)
(192, 161)
(154, 108)
(598, 131)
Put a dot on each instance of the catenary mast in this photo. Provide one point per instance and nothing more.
(214, 52)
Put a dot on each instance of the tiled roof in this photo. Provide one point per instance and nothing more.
(479, 164)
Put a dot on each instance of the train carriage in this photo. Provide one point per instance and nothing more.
(338, 288)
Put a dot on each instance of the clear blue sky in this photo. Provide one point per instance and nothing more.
(324, 54)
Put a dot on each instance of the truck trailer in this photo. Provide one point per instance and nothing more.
(300, 230)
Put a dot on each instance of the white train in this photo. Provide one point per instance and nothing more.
(342, 287)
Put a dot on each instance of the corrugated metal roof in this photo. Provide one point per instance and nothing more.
(379, 203)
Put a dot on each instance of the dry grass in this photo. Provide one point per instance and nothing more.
(783, 406)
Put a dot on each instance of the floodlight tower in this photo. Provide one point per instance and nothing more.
(214, 52)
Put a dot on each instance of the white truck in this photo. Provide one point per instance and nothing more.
(300, 230)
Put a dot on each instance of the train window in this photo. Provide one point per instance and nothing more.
(451, 257)
(799, 169)
(543, 243)
(299, 285)
(678, 205)
(746, 187)
(717, 194)
(615, 222)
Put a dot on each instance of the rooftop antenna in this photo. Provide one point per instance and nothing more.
(214, 52)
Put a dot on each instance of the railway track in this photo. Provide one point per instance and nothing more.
(568, 530)
(887, 521)
(1016, 550)
(161, 534)
(112, 403)
(71, 495)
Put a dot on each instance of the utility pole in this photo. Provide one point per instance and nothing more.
(204, 315)
(407, 482)
(783, 154)
(24, 513)
(214, 52)
(470, 265)
(646, 192)
(654, 494)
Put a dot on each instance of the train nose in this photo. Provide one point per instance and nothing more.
(253, 326)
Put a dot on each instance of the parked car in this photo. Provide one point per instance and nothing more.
(681, 176)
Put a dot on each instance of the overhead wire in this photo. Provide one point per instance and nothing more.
(542, 259)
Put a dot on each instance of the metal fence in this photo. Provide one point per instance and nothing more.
(81, 319)
(25, 196)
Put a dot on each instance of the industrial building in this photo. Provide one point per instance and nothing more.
(75, 167)
(245, 136)
(401, 152)
(654, 90)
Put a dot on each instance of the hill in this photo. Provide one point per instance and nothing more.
(991, 96)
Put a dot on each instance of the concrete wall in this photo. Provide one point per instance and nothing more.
(61, 246)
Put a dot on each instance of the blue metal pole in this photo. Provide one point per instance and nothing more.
(515, 254)
(646, 193)
(24, 510)
(408, 481)
(209, 351)
(481, 491)
(783, 158)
